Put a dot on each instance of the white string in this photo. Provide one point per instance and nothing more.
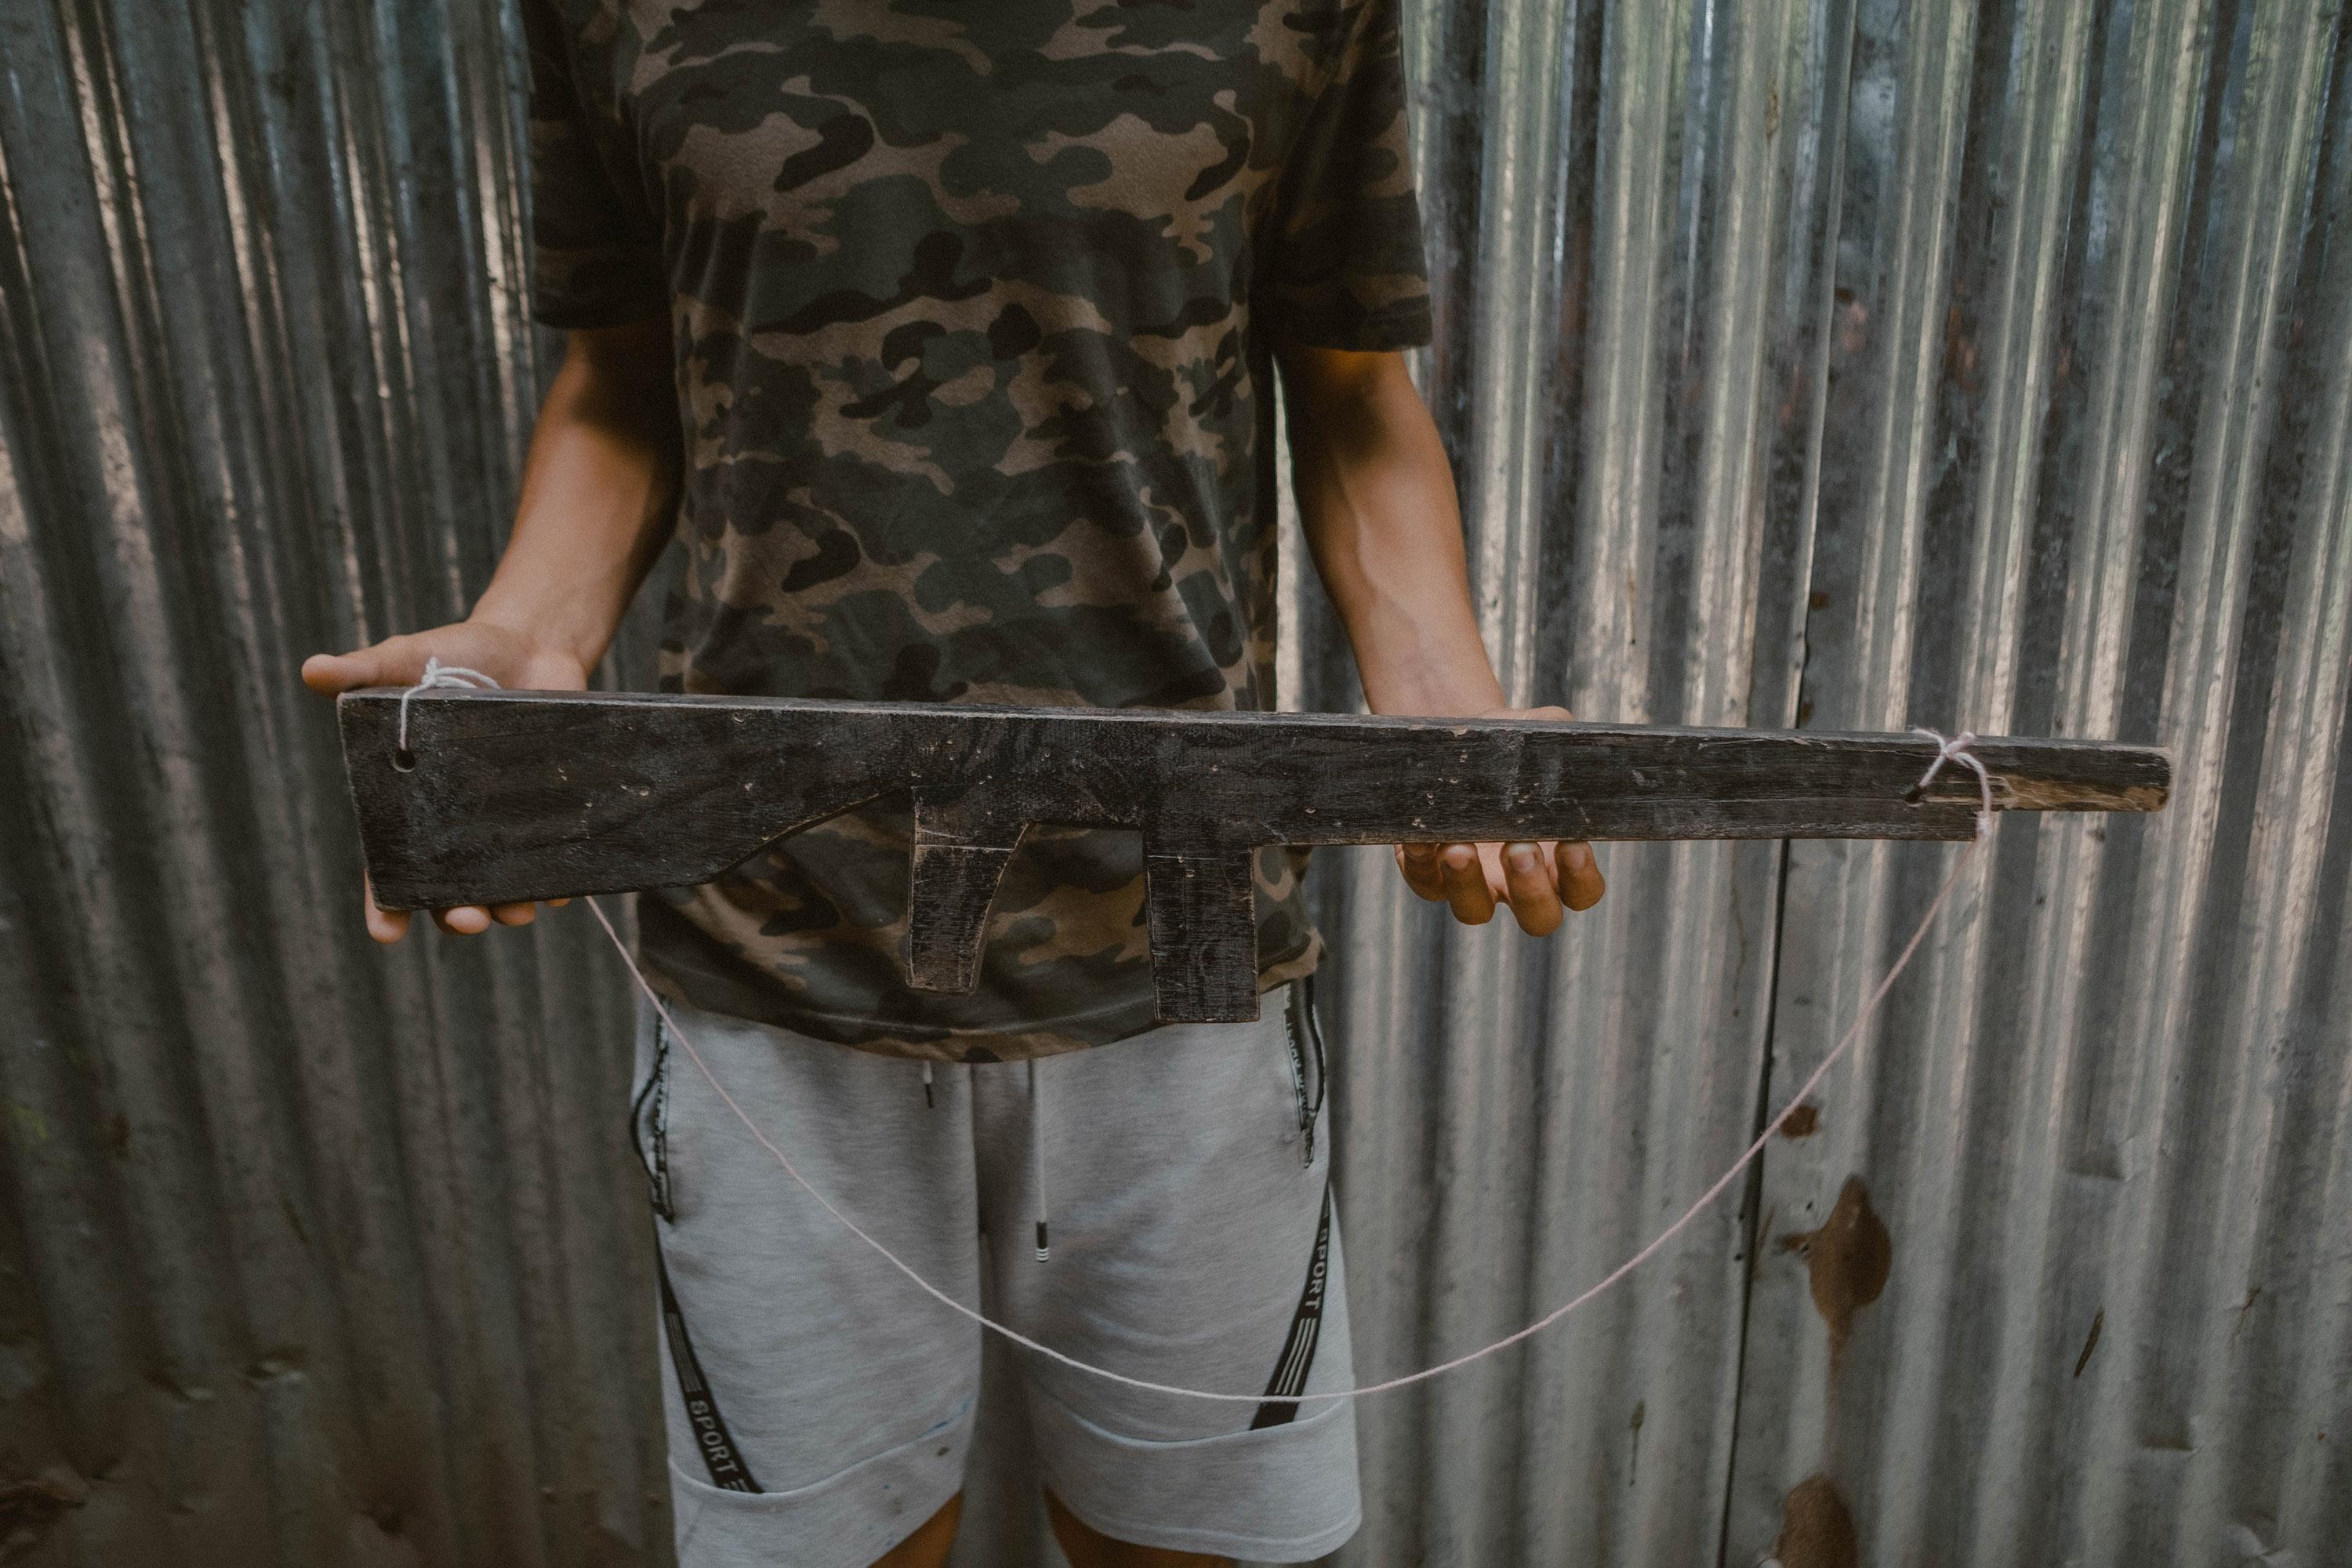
(1956, 747)
(439, 674)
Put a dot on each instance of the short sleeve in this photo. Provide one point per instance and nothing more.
(1347, 270)
(596, 249)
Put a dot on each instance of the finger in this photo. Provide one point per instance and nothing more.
(1527, 883)
(557, 903)
(384, 925)
(1579, 875)
(466, 920)
(1419, 864)
(322, 672)
(1465, 884)
(395, 661)
(514, 914)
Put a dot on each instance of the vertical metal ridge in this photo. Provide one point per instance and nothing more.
(1519, 223)
(2274, 1043)
(2125, 299)
(2303, 1484)
(335, 1276)
(2005, 221)
(1616, 510)
(2156, 1252)
(2001, 344)
(1814, 348)
(1846, 903)
(1676, 399)
(2279, 1029)
(1569, 1086)
(1483, 1109)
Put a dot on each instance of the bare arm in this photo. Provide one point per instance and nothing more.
(598, 491)
(1376, 500)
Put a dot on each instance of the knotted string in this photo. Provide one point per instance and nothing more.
(1956, 749)
(437, 674)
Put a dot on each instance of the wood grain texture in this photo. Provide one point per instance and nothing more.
(518, 796)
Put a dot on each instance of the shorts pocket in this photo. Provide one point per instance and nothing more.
(1303, 1040)
(649, 1123)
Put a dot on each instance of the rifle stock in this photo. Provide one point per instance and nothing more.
(511, 797)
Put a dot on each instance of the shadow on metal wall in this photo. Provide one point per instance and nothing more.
(315, 1253)
(1833, 363)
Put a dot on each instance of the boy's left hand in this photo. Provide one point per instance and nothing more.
(1536, 880)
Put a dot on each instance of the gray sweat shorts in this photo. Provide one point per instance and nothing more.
(820, 1406)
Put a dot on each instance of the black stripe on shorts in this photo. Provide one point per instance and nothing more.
(1297, 1357)
(719, 1455)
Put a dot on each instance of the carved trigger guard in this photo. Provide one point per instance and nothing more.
(959, 858)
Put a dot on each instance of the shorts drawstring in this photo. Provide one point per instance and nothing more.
(1036, 1150)
(1038, 1157)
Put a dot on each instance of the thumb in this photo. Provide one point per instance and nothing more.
(395, 661)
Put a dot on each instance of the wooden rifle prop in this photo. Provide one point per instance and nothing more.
(501, 797)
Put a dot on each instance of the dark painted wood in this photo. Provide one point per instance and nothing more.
(516, 795)
(1202, 911)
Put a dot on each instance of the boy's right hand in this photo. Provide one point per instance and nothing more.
(499, 652)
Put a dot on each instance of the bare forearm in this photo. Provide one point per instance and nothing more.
(599, 488)
(1377, 504)
(1376, 501)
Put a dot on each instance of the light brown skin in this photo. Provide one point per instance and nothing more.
(1375, 497)
(1083, 1545)
(1376, 501)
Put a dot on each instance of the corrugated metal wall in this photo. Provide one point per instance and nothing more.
(1858, 365)
(1839, 363)
(312, 1254)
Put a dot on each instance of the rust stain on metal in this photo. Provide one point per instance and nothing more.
(2090, 1342)
(1848, 1259)
(1817, 1528)
(1803, 1122)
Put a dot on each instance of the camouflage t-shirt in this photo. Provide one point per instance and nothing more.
(974, 304)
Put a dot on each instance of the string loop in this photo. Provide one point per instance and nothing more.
(437, 674)
(1961, 749)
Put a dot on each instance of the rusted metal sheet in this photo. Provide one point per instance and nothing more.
(2128, 517)
(1875, 364)
(1837, 363)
